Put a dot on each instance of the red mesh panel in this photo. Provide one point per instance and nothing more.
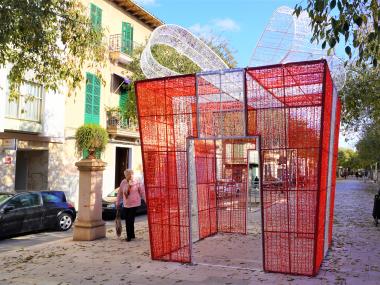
(284, 107)
(205, 178)
(326, 125)
(289, 108)
(166, 117)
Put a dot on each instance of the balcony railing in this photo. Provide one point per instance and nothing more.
(118, 126)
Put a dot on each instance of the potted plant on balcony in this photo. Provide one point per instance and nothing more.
(113, 116)
(90, 138)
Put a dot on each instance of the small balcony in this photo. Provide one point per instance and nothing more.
(119, 127)
(120, 51)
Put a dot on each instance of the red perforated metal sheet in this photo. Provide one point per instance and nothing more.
(289, 107)
(206, 186)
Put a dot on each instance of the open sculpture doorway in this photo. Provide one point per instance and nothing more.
(225, 226)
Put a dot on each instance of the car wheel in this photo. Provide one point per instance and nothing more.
(65, 221)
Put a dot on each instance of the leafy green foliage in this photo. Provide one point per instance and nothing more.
(361, 99)
(369, 145)
(355, 22)
(91, 137)
(347, 158)
(54, 39)
(223, 49)
(170, 58)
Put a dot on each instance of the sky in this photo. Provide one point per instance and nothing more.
(240, 22)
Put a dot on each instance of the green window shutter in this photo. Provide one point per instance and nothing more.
(93, 14)
(92, 101)
(126, 38)
(96, 101)
(99, 17)
(123, 99)
(88, 99)
(131, 39)
(96, 15)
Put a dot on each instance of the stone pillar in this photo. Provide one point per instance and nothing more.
(89, 224)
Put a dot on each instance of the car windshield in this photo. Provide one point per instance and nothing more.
(4, 197)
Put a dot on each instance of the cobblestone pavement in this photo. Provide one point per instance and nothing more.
(353, 259)
(23, 241)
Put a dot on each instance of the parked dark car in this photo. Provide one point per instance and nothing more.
(109, 206)
(34, 211)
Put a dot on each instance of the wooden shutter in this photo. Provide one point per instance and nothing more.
(126, 38)
(123, 99)
(88, 99)
(131, 39)
(96, 16)
(99, 17)
(92, 100)
(96, 101)
(93, 14)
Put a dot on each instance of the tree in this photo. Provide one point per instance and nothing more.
(53, 39)
(368, 146)
(356, 22)
(348, 158)
(170, 58)
(361, 99)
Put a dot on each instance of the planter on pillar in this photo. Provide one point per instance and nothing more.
(89, 224)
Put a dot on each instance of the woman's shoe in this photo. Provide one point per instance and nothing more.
(128, 239)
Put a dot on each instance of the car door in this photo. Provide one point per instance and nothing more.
(12, 217)
(53, 203)
(33, 212)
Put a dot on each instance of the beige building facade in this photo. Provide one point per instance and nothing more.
(38, 153)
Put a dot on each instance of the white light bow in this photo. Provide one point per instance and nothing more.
(185, 43)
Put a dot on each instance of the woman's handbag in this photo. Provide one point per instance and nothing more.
(118, 223)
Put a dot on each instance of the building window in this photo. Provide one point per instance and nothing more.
(29, 104)
(96, 16)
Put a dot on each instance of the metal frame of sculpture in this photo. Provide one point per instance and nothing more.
(293, 108)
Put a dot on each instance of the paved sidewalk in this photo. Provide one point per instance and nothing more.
(354, 258)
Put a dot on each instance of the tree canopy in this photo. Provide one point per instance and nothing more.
(369, 145)
(361, 99)
(348, 158)
(52, 39)
(355, 22)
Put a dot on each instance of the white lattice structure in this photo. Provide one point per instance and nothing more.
(185, 43)
(286, 38)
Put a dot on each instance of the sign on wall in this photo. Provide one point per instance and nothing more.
(10, 144)
(7, 159)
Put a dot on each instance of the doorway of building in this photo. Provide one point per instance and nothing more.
(31, 170)
(224, 230)
(122, 162)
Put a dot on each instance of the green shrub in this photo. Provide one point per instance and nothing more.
(90, 139)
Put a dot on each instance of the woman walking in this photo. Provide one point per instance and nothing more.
(130, 192)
